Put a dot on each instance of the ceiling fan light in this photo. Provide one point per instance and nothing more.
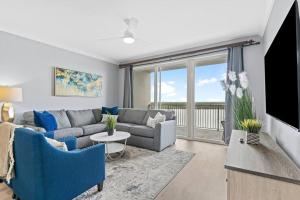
(128, 39)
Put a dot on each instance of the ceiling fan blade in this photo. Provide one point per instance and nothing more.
(144, 41)
(151, 43)
(131, 23)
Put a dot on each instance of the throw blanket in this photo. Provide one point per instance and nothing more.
(7, 132)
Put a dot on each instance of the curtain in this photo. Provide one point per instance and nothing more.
(235, 63)
(128, 88)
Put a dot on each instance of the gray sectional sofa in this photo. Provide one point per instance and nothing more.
(84, 123)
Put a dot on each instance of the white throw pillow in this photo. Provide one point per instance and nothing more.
(57, 144)
(160, 117)
(151, 122)
(105, 117)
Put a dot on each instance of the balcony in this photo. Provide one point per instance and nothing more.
(208, 117)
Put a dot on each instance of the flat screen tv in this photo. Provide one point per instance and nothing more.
(282, 71)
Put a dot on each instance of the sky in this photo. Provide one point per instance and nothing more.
(208, 86)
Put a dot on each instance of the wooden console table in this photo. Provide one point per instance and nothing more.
(260, 172)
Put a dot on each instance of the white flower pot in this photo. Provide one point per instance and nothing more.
(252, 138)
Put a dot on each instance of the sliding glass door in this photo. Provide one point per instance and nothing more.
(191, 88)
(209, 98)
(172, 93)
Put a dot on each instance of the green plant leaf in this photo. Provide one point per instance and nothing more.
(111, 122)
(243, 109)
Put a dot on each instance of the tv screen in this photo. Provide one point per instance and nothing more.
(282, 71)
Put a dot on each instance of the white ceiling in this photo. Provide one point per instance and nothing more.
(164, 25)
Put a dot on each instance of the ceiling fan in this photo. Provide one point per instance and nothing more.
(128, 36)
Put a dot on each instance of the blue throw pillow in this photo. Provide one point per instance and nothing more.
(112, 111)
(45, 120)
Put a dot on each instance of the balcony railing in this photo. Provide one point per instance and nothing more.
(208, 115)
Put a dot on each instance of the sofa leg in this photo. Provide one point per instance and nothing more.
(100, 187)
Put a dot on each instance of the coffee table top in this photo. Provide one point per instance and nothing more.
(104, 137)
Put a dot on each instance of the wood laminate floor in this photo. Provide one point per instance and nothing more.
(203, 178)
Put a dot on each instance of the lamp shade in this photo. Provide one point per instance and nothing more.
(10, 94)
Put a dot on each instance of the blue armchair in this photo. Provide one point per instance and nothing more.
(45, 172)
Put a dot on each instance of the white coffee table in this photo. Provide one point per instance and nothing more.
(111, 142)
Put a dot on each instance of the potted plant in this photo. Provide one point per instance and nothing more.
(236, 86)
(111, 125)
(243, 109)
(252, 126)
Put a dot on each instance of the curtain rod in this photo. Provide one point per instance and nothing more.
(188, 54)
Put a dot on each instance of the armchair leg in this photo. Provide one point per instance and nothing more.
(14, 196)
(100, 187)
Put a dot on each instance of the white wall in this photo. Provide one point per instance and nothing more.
(254, 65)
(30, 64)
(121, 86)
(287, 137)
(142, 89)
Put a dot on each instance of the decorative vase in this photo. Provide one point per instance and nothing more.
(110, 132)
(252, 138)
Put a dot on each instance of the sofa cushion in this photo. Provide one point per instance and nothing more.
(28, 118)
(93, 128)
(97, 114)
(80, 118)
(170, 114)
(62, 119)
(124, 126)
(142, 131)
(76, 132)
(121, 115)
(134, 116)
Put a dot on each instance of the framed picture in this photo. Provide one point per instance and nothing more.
(74, 83)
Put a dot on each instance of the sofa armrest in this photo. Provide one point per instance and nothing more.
(70, 142)
(165, 135)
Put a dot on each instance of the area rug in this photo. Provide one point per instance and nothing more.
(141, 174)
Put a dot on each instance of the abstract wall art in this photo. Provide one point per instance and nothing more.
(74, 83)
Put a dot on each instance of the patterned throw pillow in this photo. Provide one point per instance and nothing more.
(151, 122)
(159, 118)
(57, 144)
